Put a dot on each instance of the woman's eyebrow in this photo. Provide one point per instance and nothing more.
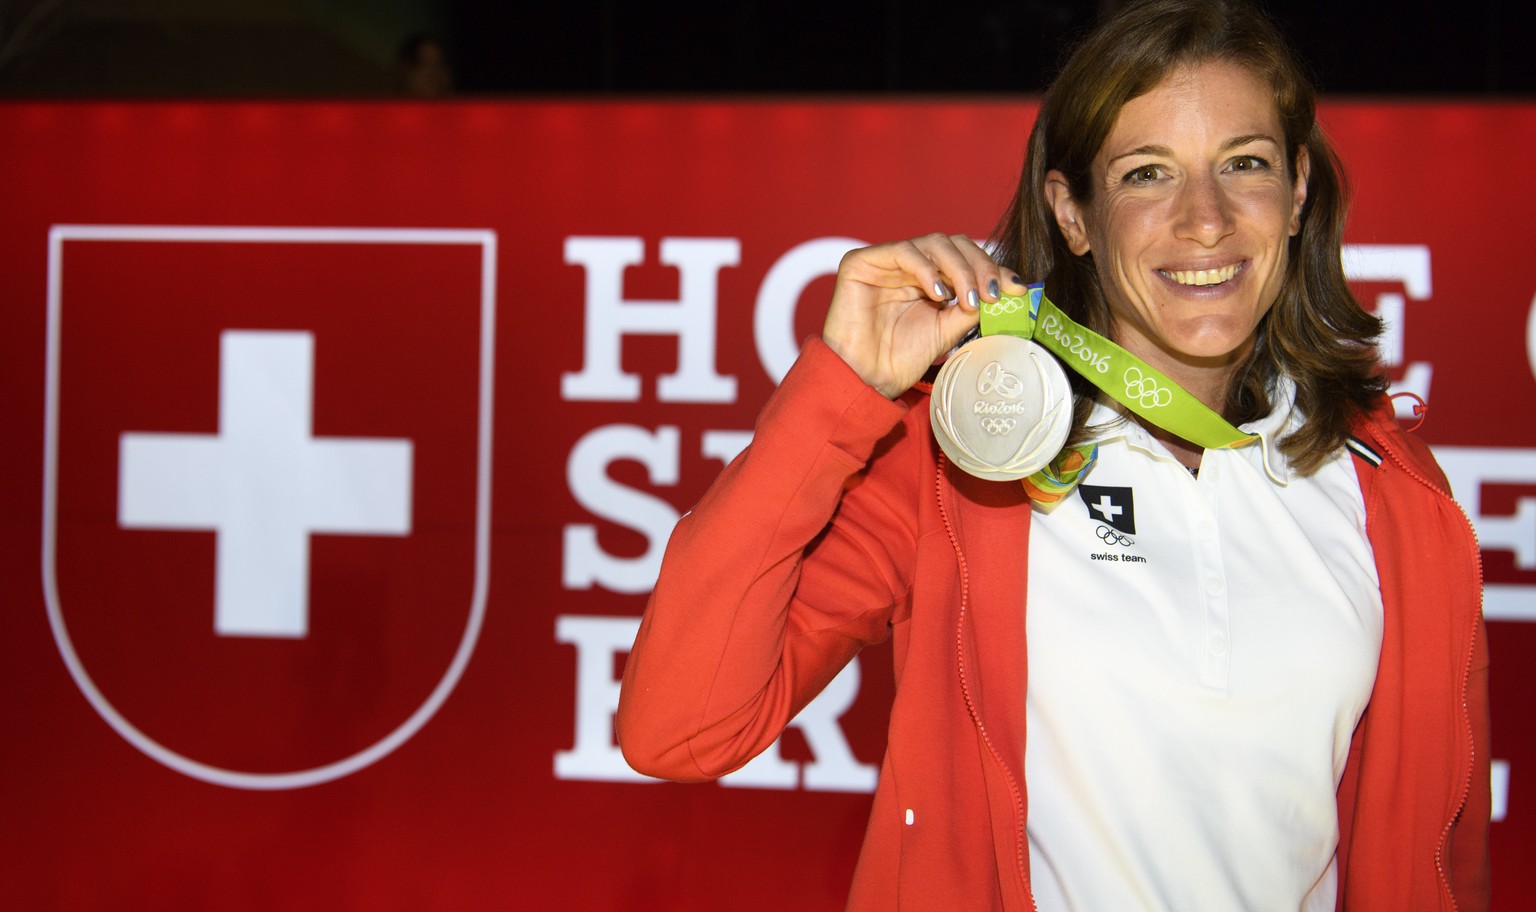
(1247, 138)
(1143, 150)
(1166, 152)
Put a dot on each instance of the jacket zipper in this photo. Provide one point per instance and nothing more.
(1466, 669)
(965, 689)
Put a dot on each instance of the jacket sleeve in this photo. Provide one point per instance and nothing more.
(795, 558)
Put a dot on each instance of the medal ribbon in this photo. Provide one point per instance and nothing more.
(1125, 378)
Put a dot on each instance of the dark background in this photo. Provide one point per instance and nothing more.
(351, 48)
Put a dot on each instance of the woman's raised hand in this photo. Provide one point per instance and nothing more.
(899, 306)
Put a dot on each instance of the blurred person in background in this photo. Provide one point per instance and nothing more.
(423, 66)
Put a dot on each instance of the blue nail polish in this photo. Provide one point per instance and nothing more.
(992, 288)
(973, 299)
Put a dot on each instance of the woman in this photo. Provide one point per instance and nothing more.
(1212, 679)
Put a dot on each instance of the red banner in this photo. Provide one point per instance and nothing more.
(343, 440)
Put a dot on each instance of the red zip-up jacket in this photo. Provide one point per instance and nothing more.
(842, 524)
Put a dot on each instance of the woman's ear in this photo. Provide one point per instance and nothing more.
(1299, 191)
(1069, 213)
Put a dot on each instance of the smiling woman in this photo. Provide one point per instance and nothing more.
(1235, 73)
(1243, 668)
(1194, 201)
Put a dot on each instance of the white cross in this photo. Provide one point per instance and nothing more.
(1107, 508)
(264, 483)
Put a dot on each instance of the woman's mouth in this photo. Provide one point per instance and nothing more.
(1200, 277)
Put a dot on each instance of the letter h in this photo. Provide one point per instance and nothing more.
(691, 318)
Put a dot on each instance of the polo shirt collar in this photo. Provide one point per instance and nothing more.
(1282, 419)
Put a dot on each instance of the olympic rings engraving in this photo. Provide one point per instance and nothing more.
(996, 426)
(1146, 390)
(994, 379)
(1110, 537)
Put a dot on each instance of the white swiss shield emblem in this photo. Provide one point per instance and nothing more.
(267, 461)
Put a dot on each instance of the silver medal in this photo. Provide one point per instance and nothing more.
(1001, 408)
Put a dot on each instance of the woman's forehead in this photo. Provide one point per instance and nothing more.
(1204, 105)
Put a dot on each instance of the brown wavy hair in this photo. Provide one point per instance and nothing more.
(1316, 333)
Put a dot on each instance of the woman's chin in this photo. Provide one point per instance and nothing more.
(1214, 338)
(1209, 350)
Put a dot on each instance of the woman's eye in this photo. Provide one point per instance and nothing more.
(1146, 174)
(1249, 163)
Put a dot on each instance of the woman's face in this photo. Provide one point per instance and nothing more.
(1193, 205)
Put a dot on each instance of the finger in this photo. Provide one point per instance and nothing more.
(918, 263)
(896, 266)
(954, 323)
(959, 259)
(988, 275)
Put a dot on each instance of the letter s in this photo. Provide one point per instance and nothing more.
(585, 563)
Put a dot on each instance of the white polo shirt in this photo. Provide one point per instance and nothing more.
(1200, 651)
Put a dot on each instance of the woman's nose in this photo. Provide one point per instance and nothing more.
(1205, 213)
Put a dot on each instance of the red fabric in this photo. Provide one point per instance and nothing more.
(797, 557)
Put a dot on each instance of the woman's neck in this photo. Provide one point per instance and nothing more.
(1209, 383)
(1186, 453)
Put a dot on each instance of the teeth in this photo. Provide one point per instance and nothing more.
(1202, 276)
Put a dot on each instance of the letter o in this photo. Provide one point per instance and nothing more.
(773, 319)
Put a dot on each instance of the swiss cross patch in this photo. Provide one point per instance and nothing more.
(1110, 505)
(280, 483)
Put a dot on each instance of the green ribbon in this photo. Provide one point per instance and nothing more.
(1141, 388)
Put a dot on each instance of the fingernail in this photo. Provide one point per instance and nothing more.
(992, 288)
(941, 291)
(1014, 278)
(973, 299)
